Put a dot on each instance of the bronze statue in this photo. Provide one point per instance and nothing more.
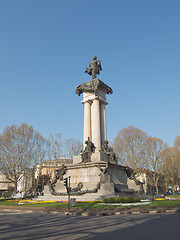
(58, 174)
(87, 152)
(94, 67)
(104, 174)
(78, 188)
(109, 151)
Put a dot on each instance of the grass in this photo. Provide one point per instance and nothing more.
(7, 203)
(91, 205)
(174, 196)
(166, 203)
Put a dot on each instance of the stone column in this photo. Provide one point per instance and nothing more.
(103, 123)
(87, 121)
(95, 123)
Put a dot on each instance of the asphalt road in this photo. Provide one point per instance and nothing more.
(50, 226)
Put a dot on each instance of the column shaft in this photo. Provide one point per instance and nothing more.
(103, 123)
(87, 121)
(95, 120)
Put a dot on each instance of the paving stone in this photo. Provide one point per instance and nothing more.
(171, 210)
(136, 212)
(153, 212)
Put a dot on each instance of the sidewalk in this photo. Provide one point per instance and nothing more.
(91, 212)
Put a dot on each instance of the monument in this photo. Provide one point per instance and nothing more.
(94, 100)
(95, 173)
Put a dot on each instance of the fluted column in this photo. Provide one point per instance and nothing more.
(87, 121)
(95, 123)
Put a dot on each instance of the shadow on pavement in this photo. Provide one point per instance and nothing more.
(48, 226)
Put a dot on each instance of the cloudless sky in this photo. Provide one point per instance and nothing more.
(45, 47)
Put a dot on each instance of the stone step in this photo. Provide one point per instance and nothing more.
(120, 186)
(128, 191)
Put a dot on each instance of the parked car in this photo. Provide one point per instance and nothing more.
(18, 195)
(177, 193)
(159, 195)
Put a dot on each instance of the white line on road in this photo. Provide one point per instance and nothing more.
(11, 213)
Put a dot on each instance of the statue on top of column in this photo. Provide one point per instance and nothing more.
(94, 67)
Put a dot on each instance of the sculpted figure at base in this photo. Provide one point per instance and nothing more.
(94, 67)
(87, 152)
(104, 175)
(109, 151)
(131, 174)
(78, 188)
(58, 174)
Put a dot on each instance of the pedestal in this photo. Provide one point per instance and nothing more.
(94, 100)
(98, 180)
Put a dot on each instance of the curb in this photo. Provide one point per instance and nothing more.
(103, 213)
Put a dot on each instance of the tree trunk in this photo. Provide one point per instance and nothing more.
(15, 186)
(157, 190)
(156, 184)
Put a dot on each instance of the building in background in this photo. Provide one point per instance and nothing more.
(25, 182)
(146, 176)
(5, 184)
(44, 173)
(48, 167)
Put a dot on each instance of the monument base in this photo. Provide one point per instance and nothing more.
(91, 181)
(95, 157)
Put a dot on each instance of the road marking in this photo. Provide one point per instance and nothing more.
(11, 213)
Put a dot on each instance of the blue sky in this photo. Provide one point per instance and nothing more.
(45, 47)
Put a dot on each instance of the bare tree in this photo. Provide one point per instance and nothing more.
(20, 147)
(156, 156)
(129, 145)
(177, 143)
(54, 147)
(171, 166)
(41, 155)
(73, 147)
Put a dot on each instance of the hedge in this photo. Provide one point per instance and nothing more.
(121, 200)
